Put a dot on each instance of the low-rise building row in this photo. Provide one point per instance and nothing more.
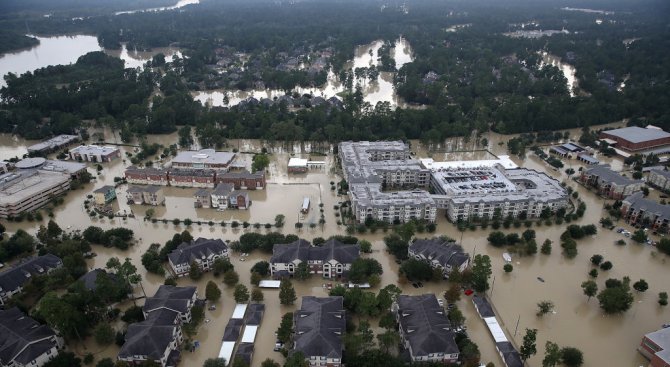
(25, 342)
(203, 252)
(608, 183)
(332, 259)
(200, 178)
(638, 210)
(13, 279)
(148, 195)
(440, 253)
(660, 179)
(319, 325)
(222, 197)
(52, 144)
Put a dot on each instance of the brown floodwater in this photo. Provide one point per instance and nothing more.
(605, 340)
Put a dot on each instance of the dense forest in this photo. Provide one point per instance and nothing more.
(472, 78)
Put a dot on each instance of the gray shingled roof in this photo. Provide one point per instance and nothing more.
(104, 189)
(232, 331)
(170, 297)
(509, 354)
(425, 325)
(150, 337)
(245, 351)
(639, 202)
(223, 189)
(202, 247)
(320, 325)
(22, 338)
(483, 307)
(604, 172)
(20, 273)
(254, 315)
(445, 252)
(89, 279)
(301, 249)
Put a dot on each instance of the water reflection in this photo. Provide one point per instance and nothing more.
(569, 71)
(379, 90)
(179, 4)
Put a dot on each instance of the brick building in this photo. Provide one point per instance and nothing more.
(635, 139)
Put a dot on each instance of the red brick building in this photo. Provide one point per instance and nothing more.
(192, 178)
(635, 139)
(146, 176)
(243, 180)
(656, 347)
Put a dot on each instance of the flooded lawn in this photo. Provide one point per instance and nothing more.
(605, 340)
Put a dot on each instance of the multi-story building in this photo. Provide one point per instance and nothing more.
(26, 190)
(219, 197)
(425, 330)
(12, 280)
(655, 347)
(239, 200)
(24, 342)
(331, 260)
(372, 167)
(203, 159)
(386, 184)
(440, 254)
(638, 210)
(149, 195)
(608, 183)
(200, 178)
(146, 176)
(320, 325)
(104, 195)
(202, 199)
(243, 180)
(94, 153)
(52, 144)
(177, 299)
(660, 179)
(157, 339)
(487, 192)
(202, 251)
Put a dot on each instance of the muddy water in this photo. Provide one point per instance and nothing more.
(569, 71)
(605, 340)
(379, 90)
(137, 59)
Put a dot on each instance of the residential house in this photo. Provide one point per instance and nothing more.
(104, 195)
(90, 279)
(203, 199)
(94, 153)
(239, 200)
(243, 180)
(200, 178)
(157, 339)
(638, 210)
(655, 347)
(425, 330)
(333, 259)
(202, 251)
(146, 176)
(12, 280)
(149, 195)
(660, 179)
(440, 254)
(608, 183)
(319, 326)
(24, 342)
(176, 299)
(219, 197)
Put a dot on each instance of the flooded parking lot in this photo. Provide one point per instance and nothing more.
(605, 340)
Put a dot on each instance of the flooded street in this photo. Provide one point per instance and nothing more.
(378, 90)
(605, 340)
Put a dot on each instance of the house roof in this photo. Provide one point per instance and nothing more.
(661, 172)
(22, 339)
(150, 337)
(635, 134)
(202, 193)
(509, 354)
(302, 250)
(232, 331)
(483, 307)
(637, 201)
(223, 189)
(205, 156)
(444, 252)
(604, 172)
(245, 351)
(255, 312)
(319, 326)
(105, 189)
(20, 273)
(198, 249)
(425, 325)
(170, 297)
(661, 338)
(241, 174)
(90, 279)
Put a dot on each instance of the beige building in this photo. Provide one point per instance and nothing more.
(27, 190)
(149, 195)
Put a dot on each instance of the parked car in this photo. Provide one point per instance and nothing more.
(278, 346)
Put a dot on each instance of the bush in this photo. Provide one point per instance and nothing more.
(607, 265)
(508, 268)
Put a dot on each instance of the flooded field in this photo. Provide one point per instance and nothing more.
(379, 90)
(605, 340)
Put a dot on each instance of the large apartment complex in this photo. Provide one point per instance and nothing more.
(25, 190)
(319, 326)
(333, 259)
(386, 184)
(608, 183)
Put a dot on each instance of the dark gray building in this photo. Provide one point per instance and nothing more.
(319, 326)
(202, 251)
(157, 338)
(333, 259)
(13, 279)
(176, 299)
(440, 254)
(24, 341)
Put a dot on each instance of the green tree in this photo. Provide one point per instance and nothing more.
(221, 266)
(255, 279)
(286, 292)
(212, 291)
(453, 294)
(194, 271)
(262, 268)
(279, 220)
(641, 285)
(481, 271)
(257, 295)
(214, 362)
(302, 271)
(615, 299)
(296, 359)
(497, 239)
(544, 307)
(590, 288)
(363, 268)
(597, 259)
(388, 340)
(104, 334)
(269, 363)
(105, 362)
(552, 355)
(528, 348)
(366, 246)
(396, 246)
(639, 236)
(572, 357)
(285, 328)
(663, 298)
(456, 316)
(230, 278)
(239, 362)
(508, 268)
(260, 162)
(546, 247)
(64, 359)
(241, 293)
